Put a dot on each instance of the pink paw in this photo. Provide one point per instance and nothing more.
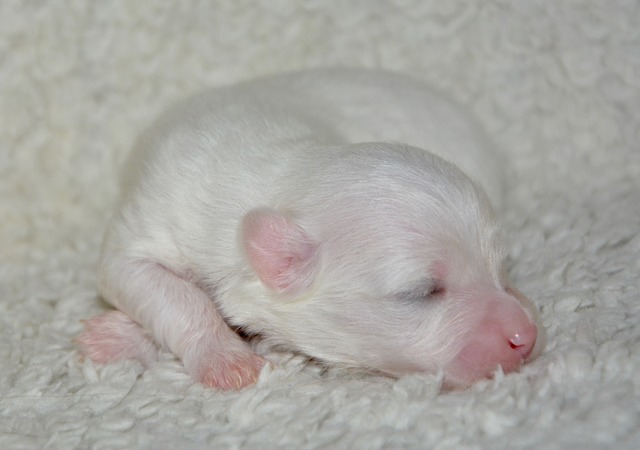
(113, 336)
(228, 371)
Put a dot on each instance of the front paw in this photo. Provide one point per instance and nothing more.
(112, 336)
(227, 371)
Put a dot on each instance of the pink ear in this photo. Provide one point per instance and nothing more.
(279, 250)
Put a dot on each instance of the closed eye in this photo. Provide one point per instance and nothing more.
(437, 290)
(430, 290)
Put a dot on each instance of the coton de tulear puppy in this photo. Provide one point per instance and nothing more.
(311, 209)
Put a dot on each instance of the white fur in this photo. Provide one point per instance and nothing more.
(335, 162)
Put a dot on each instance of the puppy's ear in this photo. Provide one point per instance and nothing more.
(279, 250)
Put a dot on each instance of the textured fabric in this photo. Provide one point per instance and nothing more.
(556, 84)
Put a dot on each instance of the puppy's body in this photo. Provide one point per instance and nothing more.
(304, 208)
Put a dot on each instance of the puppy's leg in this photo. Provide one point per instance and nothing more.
(181, 318)
(112, 336)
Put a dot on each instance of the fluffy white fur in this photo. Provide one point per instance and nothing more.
(554, 83)
(285, 208)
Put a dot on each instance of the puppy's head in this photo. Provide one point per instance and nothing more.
(386, 257)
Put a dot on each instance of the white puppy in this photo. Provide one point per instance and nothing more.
(307, 209)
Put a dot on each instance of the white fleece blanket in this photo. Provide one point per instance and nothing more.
(557, 85)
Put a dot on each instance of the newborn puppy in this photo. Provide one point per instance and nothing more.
(311, 209)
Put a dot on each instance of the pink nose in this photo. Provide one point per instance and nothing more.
(524, 340)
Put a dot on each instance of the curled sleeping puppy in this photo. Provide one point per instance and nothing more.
(344, 214)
